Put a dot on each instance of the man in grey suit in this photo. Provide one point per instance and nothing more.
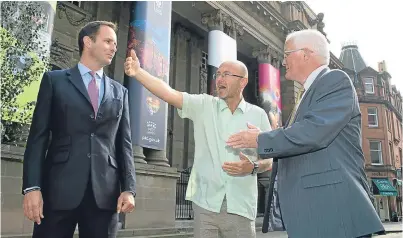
(318, 167)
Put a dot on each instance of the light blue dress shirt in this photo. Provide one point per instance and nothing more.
(213, 124)
(87, 77)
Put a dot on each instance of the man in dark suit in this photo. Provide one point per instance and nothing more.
(318, 170)
(86, 174)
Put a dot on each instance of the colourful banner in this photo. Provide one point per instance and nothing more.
(149, 36)
(269, 93)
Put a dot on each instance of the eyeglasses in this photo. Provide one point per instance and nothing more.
(288, 52)
(226, 74)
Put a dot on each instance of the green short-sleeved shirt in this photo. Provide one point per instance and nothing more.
(213, 124)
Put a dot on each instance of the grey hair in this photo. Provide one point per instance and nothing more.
(313, 40)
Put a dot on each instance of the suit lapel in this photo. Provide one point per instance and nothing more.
(312, 87)
(75, 78)
(107, 90)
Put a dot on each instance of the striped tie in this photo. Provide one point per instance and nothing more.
(93, 92)
(294, 110)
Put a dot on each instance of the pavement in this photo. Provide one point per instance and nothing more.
(393, 230)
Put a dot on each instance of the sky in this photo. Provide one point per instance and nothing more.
(372, 25)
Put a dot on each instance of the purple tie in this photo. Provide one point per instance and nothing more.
(93, 92)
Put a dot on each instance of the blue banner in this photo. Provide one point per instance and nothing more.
(149, 36)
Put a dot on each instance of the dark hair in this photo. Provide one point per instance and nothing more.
(91, 30)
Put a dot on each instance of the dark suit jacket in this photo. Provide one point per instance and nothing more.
(322, 187)
(83, 146)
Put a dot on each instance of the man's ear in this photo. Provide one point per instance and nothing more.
(244, 82)
(87, 41)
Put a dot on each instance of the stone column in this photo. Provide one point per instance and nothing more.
(192, 86)
(268, 60)
(180, 77)
(220, 45)
(138, 154)
(268, 85)
(148, 113)
(156, 157)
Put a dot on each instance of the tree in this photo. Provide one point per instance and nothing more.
(24, 57)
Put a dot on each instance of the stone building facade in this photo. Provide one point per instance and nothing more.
(381, 108)
(260, 29)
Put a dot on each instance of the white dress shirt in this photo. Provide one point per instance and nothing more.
(311, 78)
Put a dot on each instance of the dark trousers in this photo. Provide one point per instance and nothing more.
(92, 221)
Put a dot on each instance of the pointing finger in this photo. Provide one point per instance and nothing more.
(133, 54)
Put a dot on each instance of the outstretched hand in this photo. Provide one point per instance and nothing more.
(245, 139)
(132, 64)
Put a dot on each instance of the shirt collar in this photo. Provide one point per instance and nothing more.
(311, 78)
(242, 105)
(84, 70)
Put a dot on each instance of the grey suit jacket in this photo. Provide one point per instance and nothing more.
(322, 187)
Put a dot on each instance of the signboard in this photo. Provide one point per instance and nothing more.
(149, 36)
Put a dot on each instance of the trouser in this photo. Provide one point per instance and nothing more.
(209, 224)
(92, 221)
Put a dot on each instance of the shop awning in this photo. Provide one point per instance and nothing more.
(383, 187)
(399, 182)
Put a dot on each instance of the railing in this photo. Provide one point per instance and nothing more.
(183, 210)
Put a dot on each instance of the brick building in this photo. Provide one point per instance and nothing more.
(381, 108)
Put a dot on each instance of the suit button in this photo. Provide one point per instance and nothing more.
(92, 116)
(92, 134)
(89, 155)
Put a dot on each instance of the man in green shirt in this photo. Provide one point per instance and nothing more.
(223, 181)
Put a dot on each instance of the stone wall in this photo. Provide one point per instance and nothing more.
(185, 75)
(155, 200)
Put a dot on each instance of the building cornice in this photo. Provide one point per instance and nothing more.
(380, 100)
(380, 168)
(251, 25)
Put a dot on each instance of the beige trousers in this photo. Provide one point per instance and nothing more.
(209, 224)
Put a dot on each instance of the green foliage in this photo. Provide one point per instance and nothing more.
(24, 57)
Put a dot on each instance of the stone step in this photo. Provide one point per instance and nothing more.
(170, 232)
(177, 235)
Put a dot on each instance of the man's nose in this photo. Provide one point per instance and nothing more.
(283, 62)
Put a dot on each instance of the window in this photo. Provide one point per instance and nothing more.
(204, 60)
(369, 85)
(372, 117)
(376, 152)
(77, 3)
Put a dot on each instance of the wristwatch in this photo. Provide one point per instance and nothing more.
(255, 167)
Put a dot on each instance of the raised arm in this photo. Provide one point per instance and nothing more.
(156, 86)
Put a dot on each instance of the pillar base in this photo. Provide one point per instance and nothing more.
(138, 154)
(156, 198)
(157, 157)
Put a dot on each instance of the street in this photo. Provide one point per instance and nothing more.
(395, 229)
(284, 235)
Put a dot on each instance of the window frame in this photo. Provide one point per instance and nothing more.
(379, 151)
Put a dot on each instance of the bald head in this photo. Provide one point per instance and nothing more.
(239, 67)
